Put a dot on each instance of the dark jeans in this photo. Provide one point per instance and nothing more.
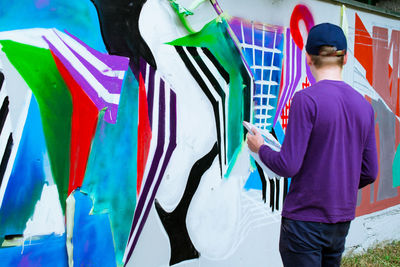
(312, 244)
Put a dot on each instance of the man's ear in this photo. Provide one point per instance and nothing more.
(309, 61)
(345, 59)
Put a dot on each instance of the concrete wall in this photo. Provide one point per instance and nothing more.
(126, 140)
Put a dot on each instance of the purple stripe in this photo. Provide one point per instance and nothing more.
(298, 70)
(311, 78)
(111, 84)
(154, 164)
(114, 62)
(99, 102)
(293, 57)
(150, 95)
(296, 63)
(217, 8)
(235, 25)
(170, 150)
(111, 113)
(142, 66)
(287, 75)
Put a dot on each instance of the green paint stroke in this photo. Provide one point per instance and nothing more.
(216, 38)
(182, 13)
(396, 168)
(110, 178)
(38, 69)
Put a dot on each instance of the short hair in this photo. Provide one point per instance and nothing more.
(327, 57)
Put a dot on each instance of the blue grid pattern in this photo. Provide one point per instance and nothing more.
(262, 46)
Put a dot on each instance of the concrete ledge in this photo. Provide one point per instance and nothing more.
(371, 229)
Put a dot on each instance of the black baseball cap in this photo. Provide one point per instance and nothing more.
(326, 34)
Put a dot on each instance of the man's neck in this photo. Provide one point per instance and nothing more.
(328, 73)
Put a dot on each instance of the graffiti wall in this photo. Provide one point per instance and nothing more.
(121, 127)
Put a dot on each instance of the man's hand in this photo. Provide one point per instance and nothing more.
(254, 141)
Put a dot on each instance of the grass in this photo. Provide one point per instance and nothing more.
(387, 254)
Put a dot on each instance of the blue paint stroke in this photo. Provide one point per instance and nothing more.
(47, 251)
(92, 238)
(279, 132)
(110, 178)
(78, 17)
(254, 181)
(27, 178)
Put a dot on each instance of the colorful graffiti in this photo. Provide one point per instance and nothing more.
(113, 130)
(379, 56)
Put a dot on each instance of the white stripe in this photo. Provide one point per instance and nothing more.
(216, 97)
(5, 133)
(264, 49)
(3, 94)
(213, 70)
(261, 95)
(272, 63)
(282, 191)
(97, 63)
(221, 106)
(253, 44)
(270, 83)
(265, 95)
(242, 30)
(264, 107)
(203, 76)
(261, 116)
(81, 69)
(272, 68)
(16, 138)
(146, 79)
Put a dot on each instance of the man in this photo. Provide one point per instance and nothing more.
(329, 151)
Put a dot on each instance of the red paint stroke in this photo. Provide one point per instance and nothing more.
(363, 48)
(84, 121)
(285, 114)
(367, 205)
(385, 77)
(144, 133)
(300, 12)
(305, 84)
(374, 53)
(286, 109)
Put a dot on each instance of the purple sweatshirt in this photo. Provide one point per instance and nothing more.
(329, 151)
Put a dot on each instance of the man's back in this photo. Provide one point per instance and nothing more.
(329, 151)
(325, 187)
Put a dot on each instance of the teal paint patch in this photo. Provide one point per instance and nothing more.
(396, 168)
(110, 178)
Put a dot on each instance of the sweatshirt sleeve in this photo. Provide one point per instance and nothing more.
(369, 167)
(288, 161)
